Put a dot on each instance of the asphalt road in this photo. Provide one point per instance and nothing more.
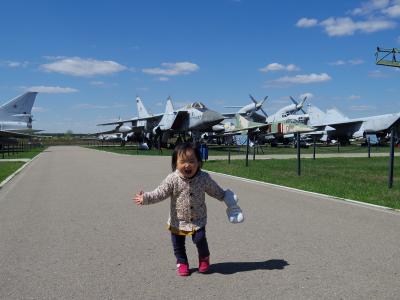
(69, 230)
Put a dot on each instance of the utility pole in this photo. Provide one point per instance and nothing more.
(390, 63)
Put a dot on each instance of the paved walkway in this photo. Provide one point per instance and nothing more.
(69, 230)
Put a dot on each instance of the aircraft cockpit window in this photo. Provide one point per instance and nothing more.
(197, 105)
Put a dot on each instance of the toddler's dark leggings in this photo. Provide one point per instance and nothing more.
(198, 238)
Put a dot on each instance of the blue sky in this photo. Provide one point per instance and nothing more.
(89, 59)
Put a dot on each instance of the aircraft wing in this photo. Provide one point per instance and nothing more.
(120, 122)
(345, 124)
(346, 128)
(15, 134)
(107, 132)
(255, 128)
(229, 115)
(134, 129)
(254, 116)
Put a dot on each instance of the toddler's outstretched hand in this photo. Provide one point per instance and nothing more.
(138, 199)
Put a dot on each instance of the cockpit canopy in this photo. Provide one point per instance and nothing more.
(197, 105)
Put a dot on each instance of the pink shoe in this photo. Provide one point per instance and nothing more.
(204, 264)
(182, 269)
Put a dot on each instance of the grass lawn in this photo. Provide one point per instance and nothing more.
(362, 179)
(7, 168)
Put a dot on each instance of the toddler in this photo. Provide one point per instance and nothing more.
(186, 186)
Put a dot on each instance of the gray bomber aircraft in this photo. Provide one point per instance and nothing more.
(16, 118)
(286, 112)
(248, 110)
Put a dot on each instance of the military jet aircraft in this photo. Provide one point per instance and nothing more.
(16, 118)
(194, 118)
(130, 129)
(333, 125)
(119, 138)
(285, 128)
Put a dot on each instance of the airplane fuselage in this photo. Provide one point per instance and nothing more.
(202, 120)
(15, 125)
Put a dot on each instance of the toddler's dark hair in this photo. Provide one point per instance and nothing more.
(182, 149)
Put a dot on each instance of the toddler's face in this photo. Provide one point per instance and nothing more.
(187, 164)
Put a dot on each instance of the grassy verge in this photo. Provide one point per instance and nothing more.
(31, 153)
(359, 179)
(7, 168)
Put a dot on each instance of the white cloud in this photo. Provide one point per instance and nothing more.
(305, 23)
(303, 79)
(370, 7)
(77, 66)
(354, 97)
(346, 26)
(338, 63)
(272, 67)
(17, 64)
(52, 89)
(173, 69)
(342, 62)
(163, 78)
(374, 16)
(392, 11)
(14, 64)
(374, 25)
(279, 67)
(292, 67)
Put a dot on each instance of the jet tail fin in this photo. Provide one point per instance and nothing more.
(333, 115)
(316, 116)
(169, 107)
(142, 111)
(19, 106)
